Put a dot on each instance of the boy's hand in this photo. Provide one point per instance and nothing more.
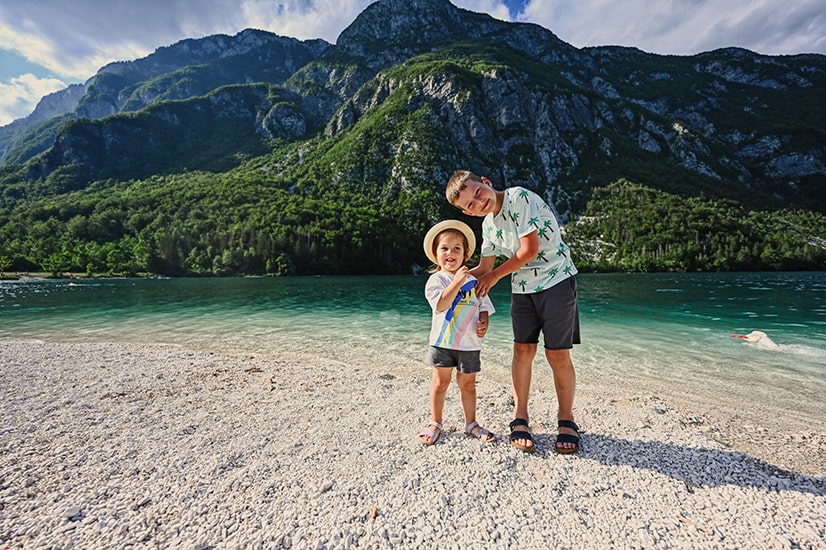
(485, 282)
(481, 327)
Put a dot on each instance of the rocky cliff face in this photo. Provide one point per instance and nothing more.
(187, 69)
(539, 113)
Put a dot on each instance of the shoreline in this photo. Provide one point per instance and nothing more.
(112, 444)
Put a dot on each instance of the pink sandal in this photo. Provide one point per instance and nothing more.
(431, 433)
(475, 430)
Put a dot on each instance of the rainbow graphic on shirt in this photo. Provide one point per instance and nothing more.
(460, 317)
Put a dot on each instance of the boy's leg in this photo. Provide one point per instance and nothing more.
(467, 393)
(521, 370)
(565, 385)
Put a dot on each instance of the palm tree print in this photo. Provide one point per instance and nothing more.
(541, 256)
(523, 283)
(524, 194)
(543, 232)
(534, 222)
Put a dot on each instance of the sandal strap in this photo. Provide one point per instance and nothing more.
(472, 426)
(477, 431)
(518, 422)
(568, 424)
(434, 423)
(522, 435)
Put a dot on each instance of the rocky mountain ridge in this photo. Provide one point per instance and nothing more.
(541, 113)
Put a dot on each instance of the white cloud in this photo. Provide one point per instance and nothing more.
(494, 8)
(62, 54)
(26, 90)
(302, 19)
(686, 27)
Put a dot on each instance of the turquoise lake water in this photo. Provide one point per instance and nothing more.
(662, 333)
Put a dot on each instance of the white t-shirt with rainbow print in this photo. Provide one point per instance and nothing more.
(455, 328)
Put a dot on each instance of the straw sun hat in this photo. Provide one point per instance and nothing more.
(462, 227)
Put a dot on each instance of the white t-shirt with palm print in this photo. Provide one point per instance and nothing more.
(522, 213)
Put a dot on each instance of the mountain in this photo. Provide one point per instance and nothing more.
(187, 69)
(374, 125)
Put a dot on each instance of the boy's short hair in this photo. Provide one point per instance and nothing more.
(457, 183)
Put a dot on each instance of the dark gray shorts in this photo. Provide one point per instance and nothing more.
(466, 362)
(553, 312)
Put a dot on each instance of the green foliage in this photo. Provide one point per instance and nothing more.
(200, 223)
(630, 227)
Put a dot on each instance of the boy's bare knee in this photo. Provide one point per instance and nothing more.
(524, 352)
(558, 358)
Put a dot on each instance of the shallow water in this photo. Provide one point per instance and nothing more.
(662, 333)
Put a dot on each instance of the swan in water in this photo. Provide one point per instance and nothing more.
(760, 338)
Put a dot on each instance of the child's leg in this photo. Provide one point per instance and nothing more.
(565, 385)
(438, 388)
(467, 392)
(521, 371)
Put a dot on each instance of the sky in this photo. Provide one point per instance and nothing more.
(45, 45)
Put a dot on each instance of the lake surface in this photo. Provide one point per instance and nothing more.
(667, 334)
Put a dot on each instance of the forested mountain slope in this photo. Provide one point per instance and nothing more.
(262, 154)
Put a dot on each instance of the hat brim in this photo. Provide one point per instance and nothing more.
(442, 226)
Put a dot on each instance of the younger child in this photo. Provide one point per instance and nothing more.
(460, 320)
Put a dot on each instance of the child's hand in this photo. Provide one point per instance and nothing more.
(461, 274)
(481, 327)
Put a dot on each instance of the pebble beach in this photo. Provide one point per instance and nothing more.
(116, 445)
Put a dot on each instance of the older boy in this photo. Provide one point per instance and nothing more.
(519, 225)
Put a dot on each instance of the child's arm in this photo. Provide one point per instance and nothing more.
(482, 325)
(528, 250)
(449, 293)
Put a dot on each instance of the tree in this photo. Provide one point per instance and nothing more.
(5, 264)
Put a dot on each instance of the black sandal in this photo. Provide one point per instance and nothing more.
(521, 434)
(567, 438)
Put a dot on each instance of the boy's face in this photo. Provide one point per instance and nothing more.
(450, 251)
(477, 199)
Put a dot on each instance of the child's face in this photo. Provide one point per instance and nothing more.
(450, 251)
(477, 199)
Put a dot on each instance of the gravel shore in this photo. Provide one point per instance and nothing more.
(159, 446)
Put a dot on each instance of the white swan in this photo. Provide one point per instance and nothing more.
(760, 338)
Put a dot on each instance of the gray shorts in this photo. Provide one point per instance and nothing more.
(554, 312)
(466, 362)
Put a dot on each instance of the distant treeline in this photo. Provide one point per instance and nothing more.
(629, 227)
(202, 224)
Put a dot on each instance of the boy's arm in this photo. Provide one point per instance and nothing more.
(528, 250)
(485, 266)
